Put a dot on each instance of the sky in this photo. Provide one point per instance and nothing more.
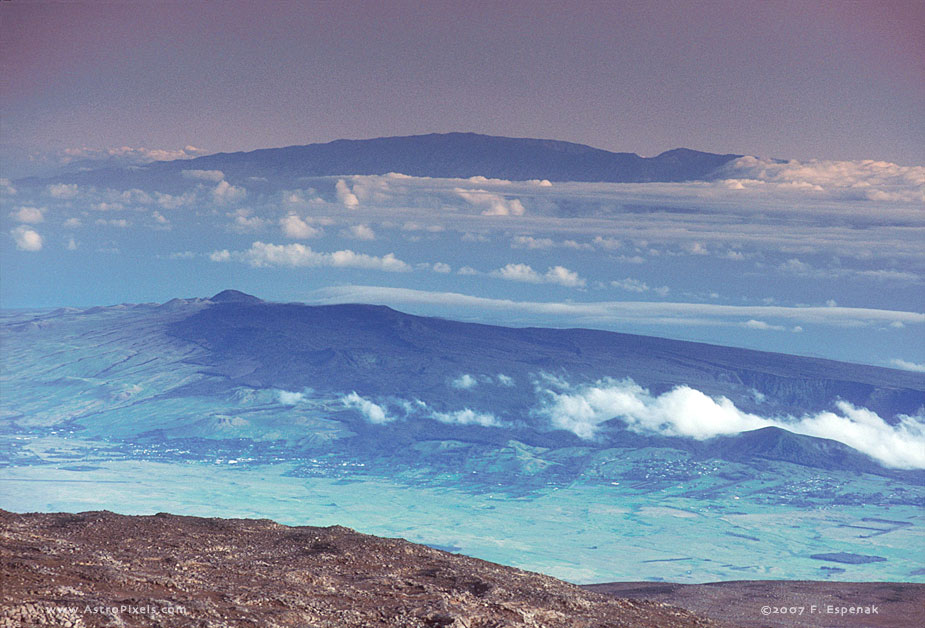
(801, 80)
(819, 255)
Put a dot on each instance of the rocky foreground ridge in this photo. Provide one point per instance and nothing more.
(104, 569)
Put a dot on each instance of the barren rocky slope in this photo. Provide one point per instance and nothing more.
(103, 569)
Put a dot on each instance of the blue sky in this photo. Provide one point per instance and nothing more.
(821, 255)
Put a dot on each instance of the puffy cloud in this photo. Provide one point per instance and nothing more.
(491, 204)
(464, 382)
(359, 232)
(174, 201)
(555, 275)
(225, 193)
(296, 228)
(908, 366)
(63, 191)
(440, 267)
(504, 380)
(374, 413)
(27, 239)
(347, 198)
(72, 223)
(245, 222)
(204, 175)
(684, 411)
(295, 255)
(30, 215)
(6, 187)
(290, 398)
(467, 417)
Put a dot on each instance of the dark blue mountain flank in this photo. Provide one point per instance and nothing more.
(378, 351)
(455, 155)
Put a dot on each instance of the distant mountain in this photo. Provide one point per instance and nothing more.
(376, 350)
(453, 155)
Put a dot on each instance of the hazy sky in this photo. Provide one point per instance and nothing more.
(835, 80)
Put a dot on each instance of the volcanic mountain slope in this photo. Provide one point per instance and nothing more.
(452, 155)
(376, 350)
(164, 570)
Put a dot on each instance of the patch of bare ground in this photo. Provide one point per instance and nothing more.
(103, 569)
(787, 603)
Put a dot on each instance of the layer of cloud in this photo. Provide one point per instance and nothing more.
(203, 175)
(262, 254)
(867, 179)
(685, 411)
(615, 312)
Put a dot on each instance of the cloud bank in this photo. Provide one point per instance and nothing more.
(687, 412)
(262, 255)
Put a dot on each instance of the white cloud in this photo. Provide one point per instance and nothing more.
(630, 285)
(491, 204)
(347, 198)
(440, 267)
(296, 228)
(618, 312)
(129, 155)
(30, 215)
(203, 175)
(610, 244)
(121, 223)
(908, 366)
(529, 242)
(374, 413)
(848, 180)
(71, 244)
(27, 239)
(295, 255)
(464, 382)
(467, 417)
(225, 193)
(761, 325)
(359, 232)
(504, 380)
(72, 223)
(555, 274)
(174, 201)
(63, 191)
(684, 411)
(290, 398)
(6, 187)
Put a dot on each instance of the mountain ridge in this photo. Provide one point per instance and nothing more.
(440, 155)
